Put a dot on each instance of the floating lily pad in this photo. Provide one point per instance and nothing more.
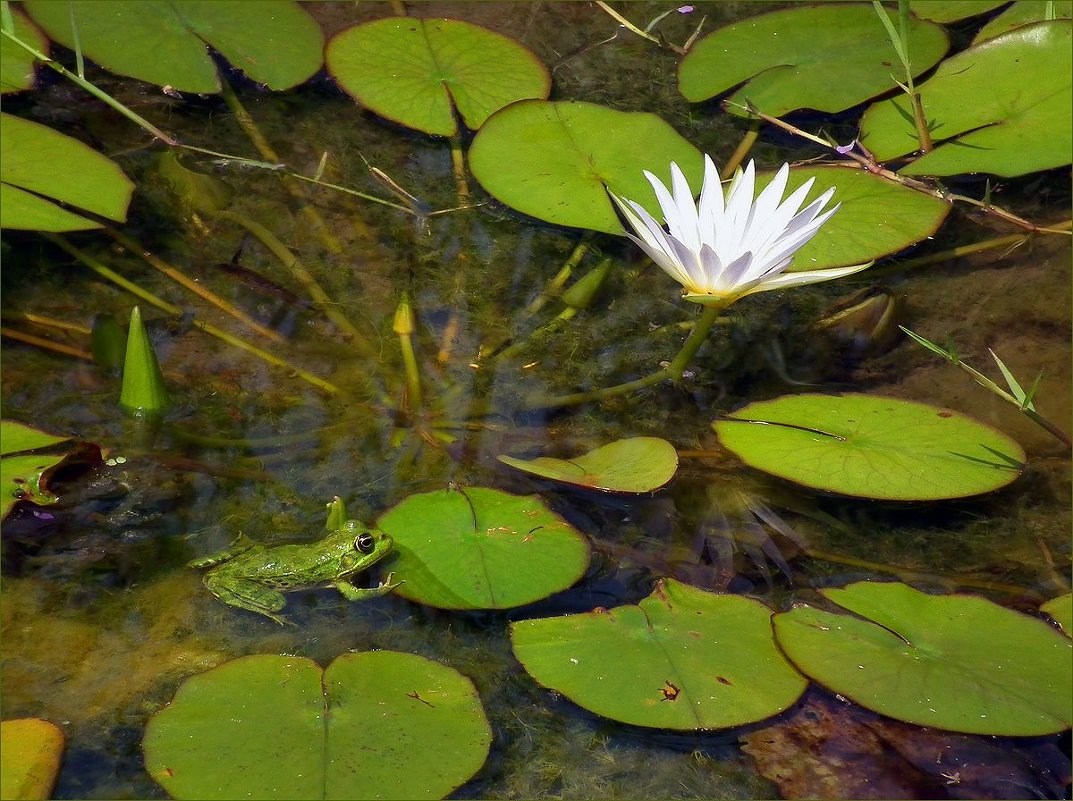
(552, 160)
(825, 57)
(1023, 12)
(418, 72)
(39, 166)
(877, 217)
(167, 42)
(372, 725)
(1060, 609)
(952, 10)
(955, 662)
(478, 548)
(637, 464)
(681, 659)
(23, 476)
(16, 65)
(1001, 107)
(872, 447)
(31, 750)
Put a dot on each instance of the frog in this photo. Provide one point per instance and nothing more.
(252, 576)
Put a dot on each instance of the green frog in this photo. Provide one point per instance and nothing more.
(254, 577)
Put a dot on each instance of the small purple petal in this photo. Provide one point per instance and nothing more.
(684, 9)
(844, 149)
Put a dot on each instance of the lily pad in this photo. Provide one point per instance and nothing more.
(954, 662)
(1001, 107)
(952, 10)
(1060, 609)
(418, 72)
(681, 659)
(825, 57)
(31, 750)
(23, 476)
(871, 446)
(636, 464)
(40, 168)
(1023, 12)
(877, 217)
(378, 724)
(166, 42)
(16, 65)
(552, 160)
(479, 548)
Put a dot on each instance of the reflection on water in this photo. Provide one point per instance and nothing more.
(101, 621)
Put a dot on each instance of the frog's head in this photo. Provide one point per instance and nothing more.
(369, 545)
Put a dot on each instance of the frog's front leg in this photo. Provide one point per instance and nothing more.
(247, 594)
(352, 593)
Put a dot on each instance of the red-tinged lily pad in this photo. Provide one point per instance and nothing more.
(419, 72)
(636, 464)
(17, 65)
(1024, 12)
(681, 659)
(479, 548)
(377, 724)
(30, 753)
(1060, 610)
(956, 662)
(872, 447)
(24, 475)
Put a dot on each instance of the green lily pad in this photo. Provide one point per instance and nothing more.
(23, 476)
(877, 218)
(954, 662)
(478, 548)
(1023, 12)
(552, 160)
(166, 42)
(952, 10)
(872, 447)
(636, 464)
(372, 725)
(39, 166)
(1001, 107)
(1060, 609)
(681, 659)
(31, 750)
(826, 57)
(16, 65)
(417, 72)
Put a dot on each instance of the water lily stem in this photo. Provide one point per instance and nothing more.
(46, 344)
(160, 303)
(458, 165)
(742, 150)
(672, 372)
(180, 278)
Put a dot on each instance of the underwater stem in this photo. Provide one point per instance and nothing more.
(47, 344)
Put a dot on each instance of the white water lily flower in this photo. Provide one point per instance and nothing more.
(721, 251)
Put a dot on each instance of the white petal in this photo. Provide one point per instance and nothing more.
(687, 209)
(784, 280)
(667, 205)
(710, 207)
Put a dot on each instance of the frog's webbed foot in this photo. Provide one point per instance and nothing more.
(352, 593)
(240, 544)
(249, 595)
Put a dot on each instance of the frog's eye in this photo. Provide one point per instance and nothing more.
(365, 543)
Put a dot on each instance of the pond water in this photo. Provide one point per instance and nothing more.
(102, 620)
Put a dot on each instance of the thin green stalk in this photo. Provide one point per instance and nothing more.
(671, 372)
(404, 327)
(742, 150)
(458, 166)
(211, 330)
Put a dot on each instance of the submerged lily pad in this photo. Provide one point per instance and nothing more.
(40, 168)
(479, 548)
(31, 749)
(378, 724)
(552, 160)
(872, 447)
(636, 464)
(955, 662)
(877, 217)
(681, 659)
(418, 72)
(16, 65)
(166, 42)
(825, 57)
(1001, 107)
